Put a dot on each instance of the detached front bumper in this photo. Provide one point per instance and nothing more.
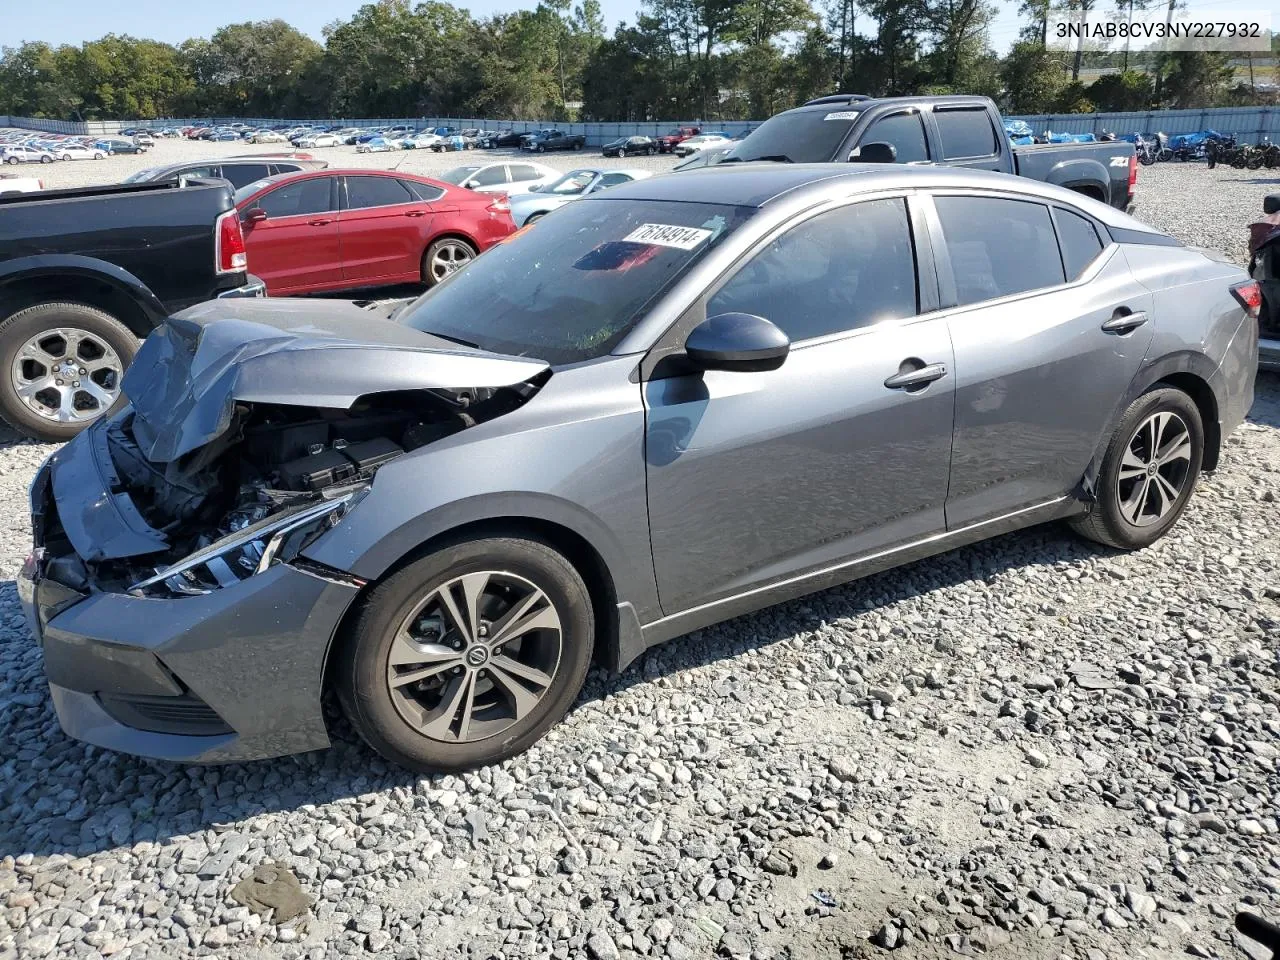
(234, 674)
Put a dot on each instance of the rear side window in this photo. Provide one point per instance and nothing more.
(365, 192)
(423, 191)
(998, 247)
(965, 133)
(522, 171)
(242, 174)
(297, 199)
(489, 176)
(905, 131)
(1079, 242)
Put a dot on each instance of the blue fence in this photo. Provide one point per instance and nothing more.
(1249, 123)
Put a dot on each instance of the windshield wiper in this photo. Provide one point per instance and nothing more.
(458, 340)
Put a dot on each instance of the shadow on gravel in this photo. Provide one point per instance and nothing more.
(58, 796)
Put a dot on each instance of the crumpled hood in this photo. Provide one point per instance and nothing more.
(190, 373)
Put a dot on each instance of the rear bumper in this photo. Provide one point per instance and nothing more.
(252, 287)
(1269, 354)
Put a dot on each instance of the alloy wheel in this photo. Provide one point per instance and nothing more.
(67, 375)
(1153, 472)
(475, 656)
(450, 256)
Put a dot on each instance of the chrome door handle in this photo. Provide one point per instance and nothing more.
(416, 213)
(1125, 322)
(319, 223)
(919, 377)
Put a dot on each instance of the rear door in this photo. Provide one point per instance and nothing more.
(382, 225)
(296, 248)
(1049, 331)
(965, 136)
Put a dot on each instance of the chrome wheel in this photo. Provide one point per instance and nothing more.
(449, 257)
(1153, 472)
(477, 655)
(67, 374)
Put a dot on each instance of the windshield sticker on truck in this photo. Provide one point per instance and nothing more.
(667, 235)
(842, 115)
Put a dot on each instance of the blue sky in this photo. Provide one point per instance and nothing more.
(74, 21)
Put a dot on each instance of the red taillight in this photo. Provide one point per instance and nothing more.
(499, 204)
(230, 255)
(1133, 172)
(1250, 296)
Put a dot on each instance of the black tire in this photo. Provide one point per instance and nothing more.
(12, 161)
(651, 151)
(534, 218)
(429, 277)
(1105, 522)
(360, 670)
(20, 327)
(46, 159)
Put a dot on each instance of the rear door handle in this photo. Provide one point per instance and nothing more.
(319, 223)
(1125, 322)
(919, 377)
(415, 213)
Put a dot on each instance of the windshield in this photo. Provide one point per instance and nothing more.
(571, 290)
(457, 175)
(803, 136)
(571, 183)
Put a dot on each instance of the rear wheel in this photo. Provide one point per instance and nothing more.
(467, 656)
(534, 218)
(12, 160)
(445, 257)
(1148, 472)
(62, 364)
(651, 151)
(46, 159)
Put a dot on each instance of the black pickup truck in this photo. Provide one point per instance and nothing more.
(958, 131)
(85, 273)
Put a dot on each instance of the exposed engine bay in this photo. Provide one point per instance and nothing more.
(273, 481)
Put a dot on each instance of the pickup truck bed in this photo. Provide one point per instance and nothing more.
(86, 272)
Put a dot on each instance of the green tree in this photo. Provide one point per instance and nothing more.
(1032, 78)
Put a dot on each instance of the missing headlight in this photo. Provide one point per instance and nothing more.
(250, 550)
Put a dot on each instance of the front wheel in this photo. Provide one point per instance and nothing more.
(12, 161)
(1148, 472)
(467, 656)
(62, 364)
(651, 151)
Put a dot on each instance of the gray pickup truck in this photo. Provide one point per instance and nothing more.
(958, 131)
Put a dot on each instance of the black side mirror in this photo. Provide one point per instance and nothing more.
(737, 341)
(877, 152)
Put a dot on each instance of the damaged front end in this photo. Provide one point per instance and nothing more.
(245, 442)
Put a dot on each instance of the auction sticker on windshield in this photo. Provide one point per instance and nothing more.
(842, 115)
(667, 235)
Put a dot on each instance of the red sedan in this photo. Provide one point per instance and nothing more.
(337, 229)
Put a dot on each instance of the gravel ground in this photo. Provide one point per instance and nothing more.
(1029, 748)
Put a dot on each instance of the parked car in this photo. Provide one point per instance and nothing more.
(630, 146)
(959, 131)
(222, 136)
(119, 145)
(144, 139)
(239, 170)
(509, 178)
(377, 145)
(320, 140)
(526, 208)
(84, 273)
(553, 140)
(420, 141)
(19, 153)
(268, 136)
(686, 398)
(669, 141)
(76, 151)
(701, 142)
(503, 138)
(338, 230)
(11, 184)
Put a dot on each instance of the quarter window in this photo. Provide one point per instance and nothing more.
(1079, 241)
(905, 131)
(998, 247)
(840, 270)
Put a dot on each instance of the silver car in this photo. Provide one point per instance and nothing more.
(673, 402)
(574, 185)
(509, 177)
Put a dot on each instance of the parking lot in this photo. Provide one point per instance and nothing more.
(1030, 748)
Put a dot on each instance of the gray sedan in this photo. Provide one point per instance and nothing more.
(674, 402)
(574, 185)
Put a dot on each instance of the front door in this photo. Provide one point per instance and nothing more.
(757, 477)
(296, 248)
(1050, 334)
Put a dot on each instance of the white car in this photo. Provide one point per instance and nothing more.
(10, 184)
(509, 177)
(75, 151)
(701, 142)
(378, 145)
(321, 140)
(421, 141)
(24, 154)
(268, 136)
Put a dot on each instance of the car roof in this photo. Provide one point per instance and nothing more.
(756, 184)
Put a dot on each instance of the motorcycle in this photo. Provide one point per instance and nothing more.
(1146, 149)
(1163, 153)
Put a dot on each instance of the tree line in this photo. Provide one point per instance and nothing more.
(706, 59)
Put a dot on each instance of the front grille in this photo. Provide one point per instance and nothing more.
(185, 715)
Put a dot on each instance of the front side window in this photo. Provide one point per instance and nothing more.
(998, 247)
(905, 131)
(296, 199)
(843, 269)
(571, 289)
